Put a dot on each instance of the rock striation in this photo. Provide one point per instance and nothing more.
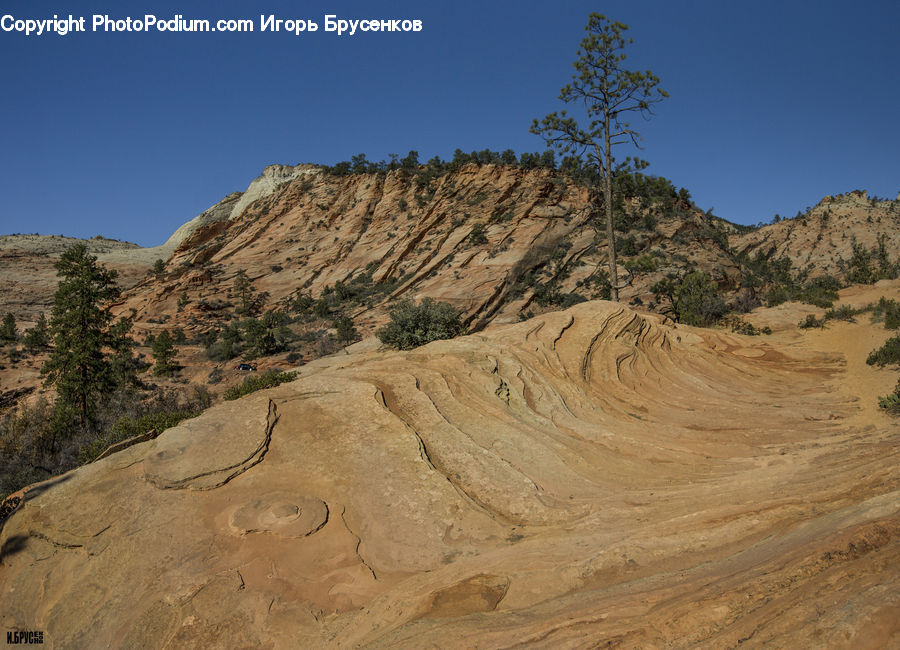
(593, 476)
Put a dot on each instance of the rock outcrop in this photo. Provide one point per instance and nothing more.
(588, 477)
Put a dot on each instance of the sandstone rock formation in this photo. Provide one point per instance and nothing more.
(588, 477)
(483, 238)
(823, 237)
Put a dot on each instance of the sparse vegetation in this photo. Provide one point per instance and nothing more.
(810, 322)
(868, 266)
(692, 299)
(891, 401)
(740, 326)
(8, 332)
(40, 440)
(414, 325)
(37, 338)
(346, 331)
(889, 311)
(254, 383)
(777, 282)
(164, 353)
(889, 353)
(845, 312)
(477, 236)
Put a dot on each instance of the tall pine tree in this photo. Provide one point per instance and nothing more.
(80, 328)
(608, 95)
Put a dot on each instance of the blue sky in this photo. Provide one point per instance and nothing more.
(773, 104)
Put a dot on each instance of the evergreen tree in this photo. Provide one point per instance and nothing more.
(164, 353)
(38, 337)
(123, 365)
(266, 335)
(231, 338)
(78, 324)
(609, 94)
(8, 329)
(243, 289)
(346, 331)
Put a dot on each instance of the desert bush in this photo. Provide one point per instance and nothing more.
(810, 322)
(844, 312)
(886, 354)
(740, 326)
(867, 266)
(626, 246)
(477, 236)
(254, 383)
(891, 401)
(889, 310)
(414, 325)
(643, 264)
(821, 291)
(43, 439)
(346, 331)
(130, 426)
(549, 295)
(693, 299)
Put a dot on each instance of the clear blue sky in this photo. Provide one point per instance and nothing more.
(773, 104)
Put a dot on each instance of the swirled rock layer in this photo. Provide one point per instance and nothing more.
(592, 477)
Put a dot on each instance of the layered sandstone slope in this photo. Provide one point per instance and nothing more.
(492, 240)
(300, 229)
(823, 237)
(28, 275)
(586, 477)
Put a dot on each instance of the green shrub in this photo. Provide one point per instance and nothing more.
(130, 426)
(887, 353)
(8, 329)
(867, 266)
(252, 384)
(810, 322)
(414, 325)
(346, 331)
(549, 295)
(477, 236)
(642, 264)
(626, 246)
(891, 402)
(693, 299)
(740, 326)
(821, 291)
(890, 311)
(844, 312)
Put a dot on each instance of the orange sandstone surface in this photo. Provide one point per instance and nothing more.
(590, 477)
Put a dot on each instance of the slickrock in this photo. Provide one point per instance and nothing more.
(589, 477)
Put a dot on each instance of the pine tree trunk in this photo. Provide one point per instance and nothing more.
(610, 231)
